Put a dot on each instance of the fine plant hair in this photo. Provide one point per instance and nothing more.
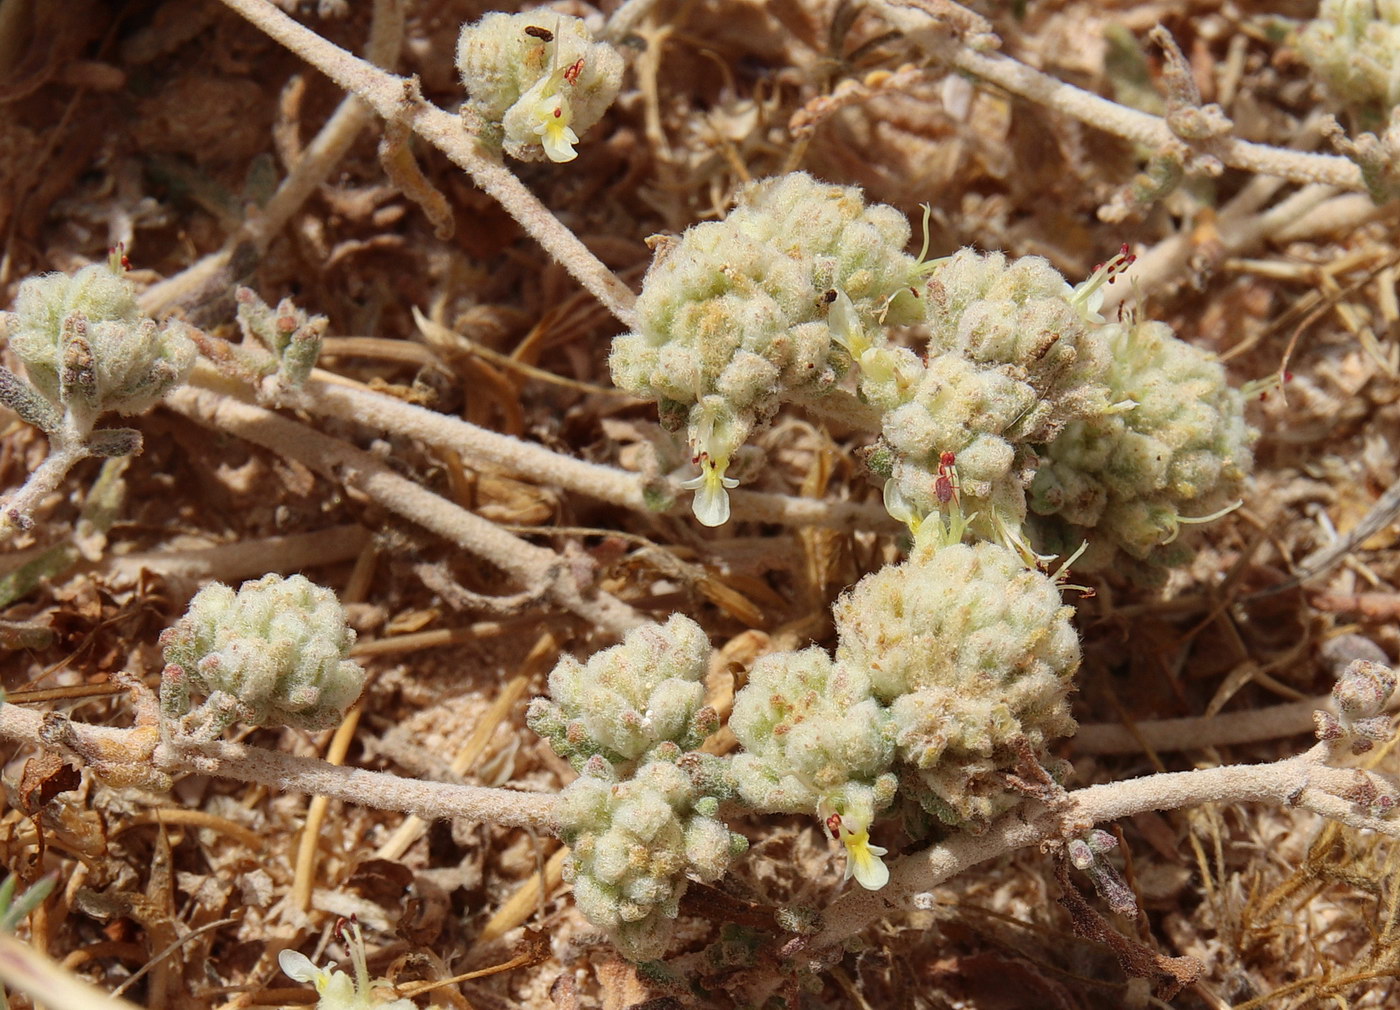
(962, 494)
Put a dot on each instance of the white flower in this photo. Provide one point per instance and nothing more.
(1088, 297)
(900, 507)
(337, 990)
(711, 504)
(845, 326)
(552, 114)
(862, 859)
(716, 432)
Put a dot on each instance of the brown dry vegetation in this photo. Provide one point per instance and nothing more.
(164, 124)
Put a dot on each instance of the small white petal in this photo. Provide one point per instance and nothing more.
(844, 324)
(864, 863)
(298, 966)
(559, 144)
(873, 875)
(898, 506)
(711, 504)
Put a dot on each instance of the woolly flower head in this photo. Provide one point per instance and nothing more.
(539, 79)
(732, 320)
(1014, 354)
(972, 652)
(1022, 315)
(86, 346)
(816, 741)
(1178, 455)
(1354, 46)
(634, 843)
(274, 653)
(628, 699)
(973, 413)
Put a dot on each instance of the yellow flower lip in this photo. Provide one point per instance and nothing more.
(553, 114)
(862, 859)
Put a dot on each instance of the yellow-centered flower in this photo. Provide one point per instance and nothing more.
(337, 990)
(711, 504)
(552, 115)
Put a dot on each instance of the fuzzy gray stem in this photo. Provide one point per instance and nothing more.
(289, 773)
(545, 466)
(1150, 131)
(344, 464)
(1301, 781)
(395, 98)
(67, 448)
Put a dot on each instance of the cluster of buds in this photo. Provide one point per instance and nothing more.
(816, 741)
(87, 348)
(767, 306)
(1360, 694)
(635, 842)
(973, 653)
(1014, 355)
(1084, 855)
(1173, 451)
(641, 819)
(292, 337)
(629, 699)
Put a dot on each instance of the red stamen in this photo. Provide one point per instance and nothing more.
(833, 824)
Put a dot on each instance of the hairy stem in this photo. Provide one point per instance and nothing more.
(530, 565)
(397, 98)
(67, 448)
(1140, 127)
(245, 559)
(289, 773)
(544, 466)
(1298, 781)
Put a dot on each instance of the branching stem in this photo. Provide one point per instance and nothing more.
(1302, 781)
(1152, 132)
(68, 446)
(530, 565)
